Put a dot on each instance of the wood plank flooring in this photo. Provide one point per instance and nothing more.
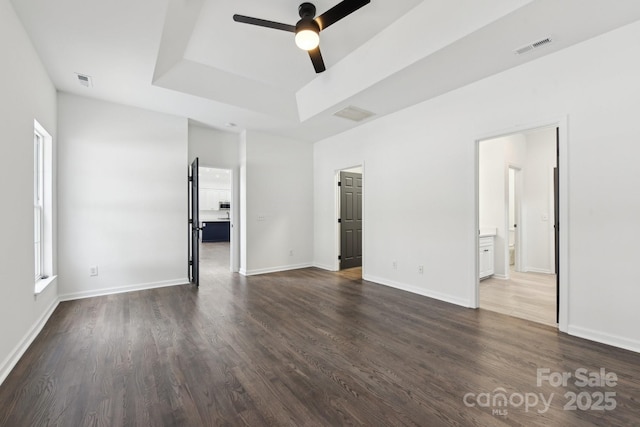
(354, 273)
(530, 296)
(301, 348)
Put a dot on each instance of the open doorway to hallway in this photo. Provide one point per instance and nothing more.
(350, 221)
(215, 190)
(516, 215)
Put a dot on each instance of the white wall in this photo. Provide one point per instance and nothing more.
(538, 201)
(327, 164)
(277, 231)
(27, 94)
(429, 150)
(123, 197)
(214, 148)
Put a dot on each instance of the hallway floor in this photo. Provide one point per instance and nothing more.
(530, 296)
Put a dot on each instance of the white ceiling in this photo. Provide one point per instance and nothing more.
(270, 56)
(214, 178)
(189, 58)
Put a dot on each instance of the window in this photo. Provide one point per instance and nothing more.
(42, 206)
(38, 202)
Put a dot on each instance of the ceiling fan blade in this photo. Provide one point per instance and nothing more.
(339, 11)
(264, 23)
(316, 59)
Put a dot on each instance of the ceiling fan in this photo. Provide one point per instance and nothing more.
(308, 27)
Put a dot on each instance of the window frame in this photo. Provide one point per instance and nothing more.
(38, 202)
(43, 199)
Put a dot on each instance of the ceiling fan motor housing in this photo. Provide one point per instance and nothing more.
(307, 24)
(307, 10)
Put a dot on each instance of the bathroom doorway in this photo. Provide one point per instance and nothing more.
(516, 207)
(514, 238)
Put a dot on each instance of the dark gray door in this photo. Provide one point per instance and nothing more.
(556, 214)
(350, 220)
(194, 225)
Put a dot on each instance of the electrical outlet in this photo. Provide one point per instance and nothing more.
(421, 269)
(93, 270)
(394, 264)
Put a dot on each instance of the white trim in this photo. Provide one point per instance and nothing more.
(323, 266)
(47, 220)
(14, 357)
(234, 245)
(565, 261)
(42, 284)
(123, 289)
(419, 291)
(605, 338)
(537, 270)
(274, 269)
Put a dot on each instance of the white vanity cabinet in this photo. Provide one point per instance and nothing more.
(486, 259)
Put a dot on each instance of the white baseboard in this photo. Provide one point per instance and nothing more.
(323, 266)
(257, 271)
(420, 291)
(537, 270)
(10, 362)
(122, 289)
(604, 338)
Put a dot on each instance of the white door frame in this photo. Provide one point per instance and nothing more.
(562, 124)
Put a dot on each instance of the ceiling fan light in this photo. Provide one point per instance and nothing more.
(307, 39)
(307, 34)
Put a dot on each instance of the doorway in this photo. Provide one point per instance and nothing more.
(514, 238)
(516, 199)
(215, 214)
(350, 221)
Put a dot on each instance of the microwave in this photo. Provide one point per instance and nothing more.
(225, 205)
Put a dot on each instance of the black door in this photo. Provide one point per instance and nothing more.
(194, 225)
(556, 215)
(350, 220)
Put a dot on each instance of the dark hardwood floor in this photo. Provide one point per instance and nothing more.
(302, 348)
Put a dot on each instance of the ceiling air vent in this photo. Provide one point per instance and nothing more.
(84, 80)
(354, 113)
(529, 47)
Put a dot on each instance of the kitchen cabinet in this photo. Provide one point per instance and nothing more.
(486, 258)
(210, 198)
(216, 231)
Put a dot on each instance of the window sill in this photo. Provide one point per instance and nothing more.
(42, 284)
